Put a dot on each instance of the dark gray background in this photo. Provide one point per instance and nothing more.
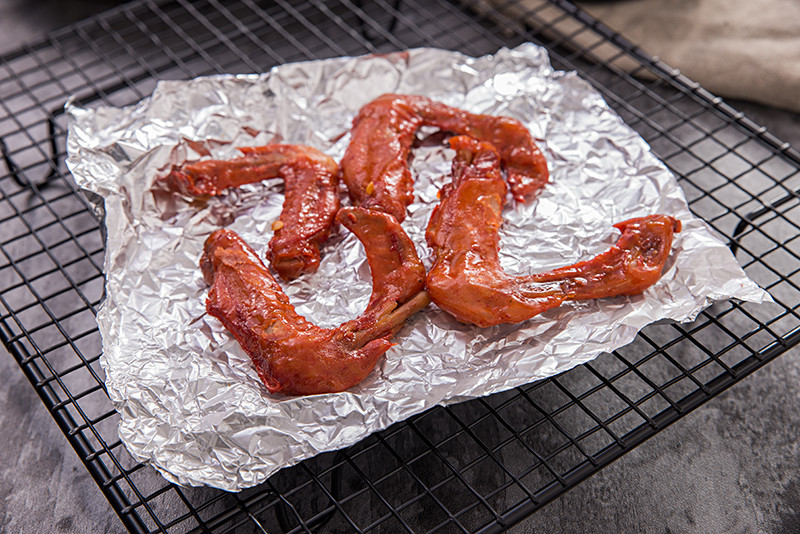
(732, 466)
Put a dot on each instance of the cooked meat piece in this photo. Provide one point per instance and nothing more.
(292, 355)
(375, 165)
(309, 207)
(466, 279)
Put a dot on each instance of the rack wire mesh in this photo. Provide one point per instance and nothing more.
(477, 466)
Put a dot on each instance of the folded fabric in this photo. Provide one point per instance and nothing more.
(745, 49)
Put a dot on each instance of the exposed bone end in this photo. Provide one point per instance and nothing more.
(389, 323)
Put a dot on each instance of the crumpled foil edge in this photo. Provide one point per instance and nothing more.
(190, 402)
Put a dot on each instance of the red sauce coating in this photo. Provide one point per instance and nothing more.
(375, 165)
(292, 355)
(467, 280)
(310, 203)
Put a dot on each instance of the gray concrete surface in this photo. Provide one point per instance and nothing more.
(731, 466)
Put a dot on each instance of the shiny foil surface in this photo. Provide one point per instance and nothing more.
(190, 400)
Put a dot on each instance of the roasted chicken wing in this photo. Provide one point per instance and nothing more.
(309, 207)
(375, 164)
(292, 355)
(466, 279)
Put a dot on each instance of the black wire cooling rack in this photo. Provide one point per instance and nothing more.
(477, 466)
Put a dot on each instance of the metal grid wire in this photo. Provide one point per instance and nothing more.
(476, 466)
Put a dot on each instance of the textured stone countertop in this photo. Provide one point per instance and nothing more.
(731, 466)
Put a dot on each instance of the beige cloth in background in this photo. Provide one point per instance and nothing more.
(745, 49)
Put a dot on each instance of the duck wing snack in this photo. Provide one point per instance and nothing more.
(375, 164)
(290, 354)
(311, 197)
(467, 280)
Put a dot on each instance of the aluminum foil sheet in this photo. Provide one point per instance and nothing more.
(191, 402)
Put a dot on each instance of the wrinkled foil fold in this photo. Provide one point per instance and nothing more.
(191, 403)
